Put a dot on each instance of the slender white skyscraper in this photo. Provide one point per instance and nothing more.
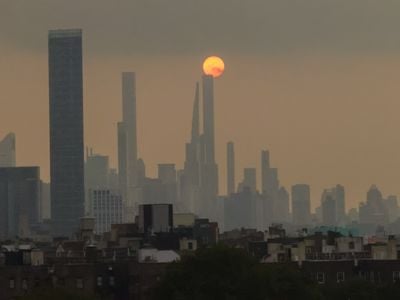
(127, 145)
(7, 151)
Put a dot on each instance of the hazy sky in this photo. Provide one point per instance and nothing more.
(313, 81)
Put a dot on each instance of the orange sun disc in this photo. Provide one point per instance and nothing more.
(214, 66)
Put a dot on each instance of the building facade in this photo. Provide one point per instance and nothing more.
(66, 130)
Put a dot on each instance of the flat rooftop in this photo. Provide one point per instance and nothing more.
(59, 33)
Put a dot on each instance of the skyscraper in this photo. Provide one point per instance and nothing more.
(301, 204)
(269, 189)
(66, 129)
(19, 201)
(249, 180)
(209, 169)
(7, 151)
(127, 145)
(190, 178)
(230, 166)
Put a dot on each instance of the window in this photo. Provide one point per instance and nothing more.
(12, 284)
(79, 283)
(24, 284)
(340, 276)
(320, 277)
(99, 280)
(190, 246)
(111, 281)
(363, 275)
(351, 245)
(396, 276)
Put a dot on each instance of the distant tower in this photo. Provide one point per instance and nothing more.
(230, 153)
(209, 169)
(269, 189)
(122, 161)
(249, 179)
(66, 130)
(301, 204)
(127, 145)
(7, 151)
(190, 180)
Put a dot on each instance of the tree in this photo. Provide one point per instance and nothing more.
(226, 273)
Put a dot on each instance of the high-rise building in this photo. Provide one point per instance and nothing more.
(282, 207)
(301, 203)
(249, 180)
(19, 201)
(209, 169)
(122, 161)
(340, 204)
(392, 207)
(335, 215)
(190, 177)
(127, 145)
(373, 211)
(107, 208)
(230, 166)
(328, 207)
(45, 202)
(269, 189)
(96, 174)
(66, 130)
(7, 151)
(168, 177)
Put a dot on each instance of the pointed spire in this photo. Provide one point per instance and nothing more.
(196, 115)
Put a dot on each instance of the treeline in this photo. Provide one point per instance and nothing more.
(224, 273)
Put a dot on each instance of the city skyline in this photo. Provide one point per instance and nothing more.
(276, 101)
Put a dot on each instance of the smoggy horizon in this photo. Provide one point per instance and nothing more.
(323, 104)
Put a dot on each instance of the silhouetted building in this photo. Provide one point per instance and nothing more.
(96, 173)
(190, 178)
(301, 205)
(373, 211)
(7, 151)
(19, 201)
(392, 208)
(155, 218)
(328, 208)
(240, 210)
(269, 189)
(249, 180)
(230, 168)
(66, 130)
(168, 177)
(209, 168)
(333, 210)
(282, 205)
(107, 208)
(127, 145)
(45, 201)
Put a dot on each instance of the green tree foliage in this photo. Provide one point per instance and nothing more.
(225, 273)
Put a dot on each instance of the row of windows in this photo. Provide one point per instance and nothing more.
(78, 281)
(340, 276)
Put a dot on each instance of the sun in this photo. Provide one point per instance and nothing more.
(214, 66)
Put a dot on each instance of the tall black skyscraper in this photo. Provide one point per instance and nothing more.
(66, 129)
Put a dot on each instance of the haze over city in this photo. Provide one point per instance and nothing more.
(199, 149)
(323, 100)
